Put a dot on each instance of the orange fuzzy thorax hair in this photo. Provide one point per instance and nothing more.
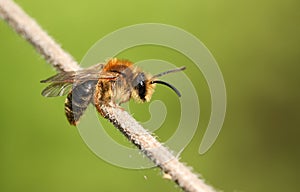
(113, 63)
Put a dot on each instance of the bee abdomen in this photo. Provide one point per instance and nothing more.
(69, 111)
(78, 100)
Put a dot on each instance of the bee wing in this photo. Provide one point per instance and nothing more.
(57, 89)
(91, 73)
(61, 83)
(63, 77)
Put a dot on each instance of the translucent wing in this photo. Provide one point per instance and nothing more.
(62, 83)
(57, 89)
(91, 73)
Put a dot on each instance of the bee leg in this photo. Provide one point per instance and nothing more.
(126, 98)
(118, 106)
(120, 103)
(102, 96)
(100, 106)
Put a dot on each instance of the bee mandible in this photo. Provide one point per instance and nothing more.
(112, 84)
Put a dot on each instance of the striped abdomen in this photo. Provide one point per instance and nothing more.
(78, 100)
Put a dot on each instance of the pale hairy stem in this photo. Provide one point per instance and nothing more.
(32, 32)
(63, 61)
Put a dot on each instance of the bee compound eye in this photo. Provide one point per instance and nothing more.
(141, 89)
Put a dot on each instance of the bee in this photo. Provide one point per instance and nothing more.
(109, 84)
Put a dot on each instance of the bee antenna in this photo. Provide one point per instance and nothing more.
(167, 84)
(167, 72)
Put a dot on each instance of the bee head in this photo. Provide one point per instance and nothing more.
(144, 86)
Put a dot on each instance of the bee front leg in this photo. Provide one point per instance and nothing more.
(125, 98)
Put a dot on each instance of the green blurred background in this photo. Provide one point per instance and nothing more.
(257, 46)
